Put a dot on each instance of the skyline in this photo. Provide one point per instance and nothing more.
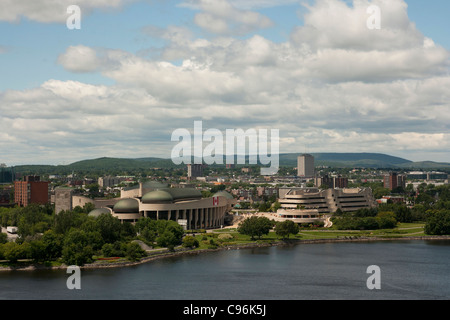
(138, 70)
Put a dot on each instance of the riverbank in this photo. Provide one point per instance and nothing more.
(184, 251)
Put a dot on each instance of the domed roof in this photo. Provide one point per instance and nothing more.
(97, 212)
(180, 194)
(157, 196)
(126, 206)
(223, 194)
(154, 185)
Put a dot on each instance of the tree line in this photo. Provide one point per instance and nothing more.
(258, 226)
(74, 238)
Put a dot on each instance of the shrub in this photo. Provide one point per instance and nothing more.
(134, 252)
(190, 242)
(225, 236)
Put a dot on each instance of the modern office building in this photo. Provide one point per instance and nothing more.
(427, 175)
(6, 175)
(305, 166)
(31, 190)
(328, 201)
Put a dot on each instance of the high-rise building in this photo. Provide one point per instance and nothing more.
(331, 182)
(194, 171)
(305, 166)
(108, 181)
(63, 199)
(394, 180)
(6, 174)
(31, 190)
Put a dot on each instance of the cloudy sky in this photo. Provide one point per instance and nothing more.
(138, 70)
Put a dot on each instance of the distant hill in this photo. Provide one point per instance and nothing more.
(98, 166)
(426, 165)
(339, 160)
(362, 160)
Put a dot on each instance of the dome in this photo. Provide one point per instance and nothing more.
(157, 196)
(97, 212)
(223, 194)
(154, 185)
(183, 194)
(126, 206)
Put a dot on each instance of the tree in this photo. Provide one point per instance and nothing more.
(276, 205)
(37, 250)
(167, 238)
(53, 244)
(255, 227)
(403, 214)
(12, 251)
(65, 220)
(3, 237)
(109, 227)
(190, 242)
(286, 228)
(77, 249)
(438, 223)
(386, 220)
(134, 252)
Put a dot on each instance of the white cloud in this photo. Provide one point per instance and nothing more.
(223, 18)
(329, 88)
(80, 59)
(334, 24)
(47, 11)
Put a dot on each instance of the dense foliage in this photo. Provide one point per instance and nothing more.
(75, 238)
(256, 227)
(286, 228)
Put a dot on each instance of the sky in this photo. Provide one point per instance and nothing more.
(135, 71)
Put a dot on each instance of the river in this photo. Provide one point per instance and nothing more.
(411, 270)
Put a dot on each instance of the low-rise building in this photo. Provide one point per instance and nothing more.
(328, 201)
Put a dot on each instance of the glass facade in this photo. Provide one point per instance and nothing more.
(6, 175)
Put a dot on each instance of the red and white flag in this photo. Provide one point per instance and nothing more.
(215, 201)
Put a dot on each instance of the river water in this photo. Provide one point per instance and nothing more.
(411, 270)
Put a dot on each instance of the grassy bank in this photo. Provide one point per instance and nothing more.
(231, 238)
(213, 239)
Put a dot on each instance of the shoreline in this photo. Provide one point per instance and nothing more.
(182, 252)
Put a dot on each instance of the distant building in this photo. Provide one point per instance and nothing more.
(6, 174)
(4, 197)
(331, 182)
(394, 180)
(194, 171)
(305, 166)
(183, 205)
(393, 199)
(329, 200)
(108, 182)
(31, 190)
(267, 191)
(63, 199)
(422, 175)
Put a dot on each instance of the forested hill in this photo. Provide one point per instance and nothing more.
(342, 160)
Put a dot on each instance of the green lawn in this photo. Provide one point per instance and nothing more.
(402, 230)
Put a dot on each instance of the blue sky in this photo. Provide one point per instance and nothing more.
(233, 64)
(33, 47)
